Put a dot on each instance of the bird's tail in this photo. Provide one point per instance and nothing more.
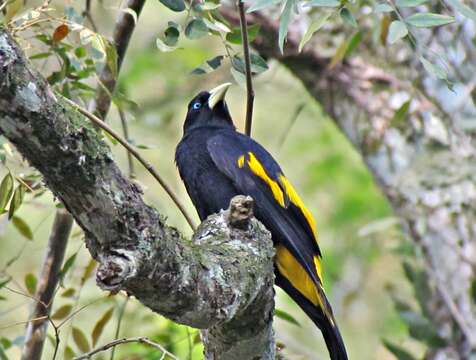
(325, 322)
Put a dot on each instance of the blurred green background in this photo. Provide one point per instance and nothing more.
(359, 237)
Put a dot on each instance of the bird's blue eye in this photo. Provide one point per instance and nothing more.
(197, 105)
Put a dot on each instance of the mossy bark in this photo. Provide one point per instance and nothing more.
(220, 281)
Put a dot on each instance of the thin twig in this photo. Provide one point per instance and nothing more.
(87, 14)
(250, 94)
(142, 340)
(35, 334)
(122, 311)
(125, 131)
(137, 155)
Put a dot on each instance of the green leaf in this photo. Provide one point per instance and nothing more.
(80, 340)
(62, 312)
(4, 282)
(38, 56)
(347, 17)
(323, 3)
(6, 190)
(257, 64)
(425, 20)
(111, 57)
(216, 25)
(69, 353)
(68, 293)
(174, 5)
(99, 327)
(398, 30)
(16, 200)
(196, 29)
(434, 69)
(172, 34)
(206, 6)
(339, 54)
(473, 290)
(283, 315)
(410, 3)
(399, 352)
(234, 37)
(162, 46)
(284, 22)
(422, 329)
(215, 62)
(88, 271)
(67, 266)
(353, 42)
(30, 283)
(22, 227)
(315, 26)
(398, 120)
(262, 4)
(383, 8)
(463, 9)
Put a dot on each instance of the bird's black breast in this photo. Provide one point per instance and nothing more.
(209, 189)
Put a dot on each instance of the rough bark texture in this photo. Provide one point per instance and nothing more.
(221, 280)
(425, 166)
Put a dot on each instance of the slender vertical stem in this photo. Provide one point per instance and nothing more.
(47, 281)
(250, 95)
(125, 131)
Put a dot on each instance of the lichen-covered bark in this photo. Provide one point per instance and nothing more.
(425, 166)
(221, 280)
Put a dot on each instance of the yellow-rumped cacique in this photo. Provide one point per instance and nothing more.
(216, 163)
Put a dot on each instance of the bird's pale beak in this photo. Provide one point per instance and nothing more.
(217, 94)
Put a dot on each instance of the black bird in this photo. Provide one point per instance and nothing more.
(216, 163)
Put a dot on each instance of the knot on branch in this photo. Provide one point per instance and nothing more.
(241, 211)
(115, 268)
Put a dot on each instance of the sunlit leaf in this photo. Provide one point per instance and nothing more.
(216, 25)
(80, 340)
(16, 201)
(323, 3)
(22, 227)
(428, 20)
(174, 5)
(315, 26)
(398, 30)
(283, 315)
(62, 312)
(262, 4)
(410, 3)
(284, 22)
(234, 36)
(111, 57)
(99, 327)
(383, 8)
(196, 29)
(347, 17)
(6, 190)
(463, 9)
(60, 32)
(30, 283)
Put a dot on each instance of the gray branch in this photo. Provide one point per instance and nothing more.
(425, 166)
(220, 281)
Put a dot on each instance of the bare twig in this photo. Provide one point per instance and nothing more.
(125, 131)
(122, 311)
(250, 95)
(48, 279)
(137, 155)
(123, 30)
(87, 14)
(142, 340)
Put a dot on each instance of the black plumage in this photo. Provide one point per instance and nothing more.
(216, 163)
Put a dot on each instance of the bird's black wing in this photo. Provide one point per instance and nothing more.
(254, 172)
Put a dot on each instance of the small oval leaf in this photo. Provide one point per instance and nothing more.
(347, 17)
(30, 283)
(80, 340)
(174, 5)
(6, 190)
(16, 200)
(22, 227)
(62, 312)
(425, 20)
(99, 327)
(196, 29)
(398, 30)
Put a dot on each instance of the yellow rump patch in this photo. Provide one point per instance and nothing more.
(258, 169)
(296, 200)
(241, 161)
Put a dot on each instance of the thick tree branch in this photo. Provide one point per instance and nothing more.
(48, 280)
(220, 281)
(425, 166)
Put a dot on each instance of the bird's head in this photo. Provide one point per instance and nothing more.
(209, 108)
